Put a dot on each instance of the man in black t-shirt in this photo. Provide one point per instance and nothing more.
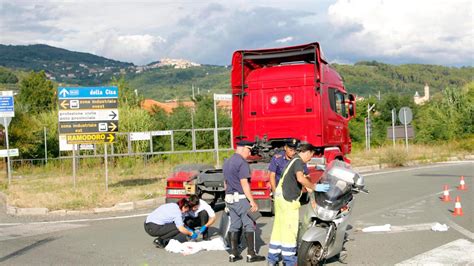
(287, 194)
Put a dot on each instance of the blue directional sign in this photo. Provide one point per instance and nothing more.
(6, 104)
(88, 114)
(87, 92)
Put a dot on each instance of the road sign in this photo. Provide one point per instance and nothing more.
(161, 133)
(90, 138)
(5, 121)
(6, 104)
(400, 132)
(405, 115)
(88, 115)
(87, 92)
(134, 136)
(88, 110)
(64, 146)
(10, 152)
(74, 104)
(222, 97)
(88, 127)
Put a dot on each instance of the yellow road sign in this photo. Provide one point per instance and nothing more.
(91, 138)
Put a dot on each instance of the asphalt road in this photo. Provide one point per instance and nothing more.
(407, 199)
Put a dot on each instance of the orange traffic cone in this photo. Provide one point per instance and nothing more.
(446, 197)
(457, 207)
(462, 184)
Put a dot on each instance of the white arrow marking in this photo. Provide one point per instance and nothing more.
(64, 92)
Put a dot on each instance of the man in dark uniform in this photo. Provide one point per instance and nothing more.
(239, 201)
(280, 161)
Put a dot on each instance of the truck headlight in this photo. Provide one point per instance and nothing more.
(325, 214)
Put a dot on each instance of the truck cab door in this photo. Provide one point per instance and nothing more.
(336, 117)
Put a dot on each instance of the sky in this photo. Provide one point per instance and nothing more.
(436, 32)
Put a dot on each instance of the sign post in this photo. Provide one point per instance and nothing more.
(405, 115)
(369, 125)
(7, 110)
(393, 126)
(218, 97)
(88, 115)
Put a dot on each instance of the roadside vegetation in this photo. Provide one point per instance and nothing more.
(444, 128)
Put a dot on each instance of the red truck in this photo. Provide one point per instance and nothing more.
(278, 94)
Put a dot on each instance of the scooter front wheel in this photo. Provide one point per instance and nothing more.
(310, 254)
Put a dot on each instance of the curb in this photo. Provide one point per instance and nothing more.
(375, 167)
(119, 207)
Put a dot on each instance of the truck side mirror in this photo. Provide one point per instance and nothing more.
(352, 106)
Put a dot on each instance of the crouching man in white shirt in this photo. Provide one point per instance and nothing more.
(201, 215)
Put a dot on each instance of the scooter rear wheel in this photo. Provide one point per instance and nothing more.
(310, 253)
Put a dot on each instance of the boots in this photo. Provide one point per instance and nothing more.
(252, 255)
(234, 247)
(205, 235)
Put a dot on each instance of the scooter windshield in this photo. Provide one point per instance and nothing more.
(339, 178)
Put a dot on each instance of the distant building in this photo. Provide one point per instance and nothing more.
(168, 106)
(421, 100)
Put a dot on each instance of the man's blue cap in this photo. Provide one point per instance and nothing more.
(246, 143)
(292, 143)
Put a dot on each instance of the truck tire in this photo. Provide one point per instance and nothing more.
(308, 253)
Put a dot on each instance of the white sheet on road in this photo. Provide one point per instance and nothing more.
(458, 252)
(377, 228)
(439, 227)
(188, 248)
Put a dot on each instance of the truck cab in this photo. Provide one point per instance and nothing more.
(286, 93)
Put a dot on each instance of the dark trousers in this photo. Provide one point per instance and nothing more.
(165, 232)
(200, 220)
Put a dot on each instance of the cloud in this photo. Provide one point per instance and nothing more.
(284, 40)
(425, 31)
(131, 48)
(392, 31)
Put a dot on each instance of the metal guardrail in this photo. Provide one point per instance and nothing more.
(130, 152)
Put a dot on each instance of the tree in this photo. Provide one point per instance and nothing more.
(37, 93)
(7, 76)
(127, 95)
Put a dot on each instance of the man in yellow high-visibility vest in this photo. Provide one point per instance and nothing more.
(287, 204)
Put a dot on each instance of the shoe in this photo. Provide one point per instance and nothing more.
(255, 258)
(159, 243)
(252, 255)
(234, 250)
(205, 235)
(233, 258)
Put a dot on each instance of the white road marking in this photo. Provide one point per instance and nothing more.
(458, 252)
(416, 168)
(405, 228)
(79, 220)
(460, 229)
(18, 231)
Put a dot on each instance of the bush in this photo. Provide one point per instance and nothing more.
(394, 157)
